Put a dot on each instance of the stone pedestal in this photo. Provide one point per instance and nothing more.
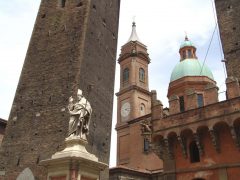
(74, 162)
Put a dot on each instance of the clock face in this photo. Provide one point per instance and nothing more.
(125, 109)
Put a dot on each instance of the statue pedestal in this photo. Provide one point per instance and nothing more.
(74, 162)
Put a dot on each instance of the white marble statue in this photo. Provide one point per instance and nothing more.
(80, 115)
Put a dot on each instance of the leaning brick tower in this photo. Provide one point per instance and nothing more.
(73, 45)
(228, 13)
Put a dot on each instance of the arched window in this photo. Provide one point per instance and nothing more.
(141, 75)
(194, 152)
(125, 74)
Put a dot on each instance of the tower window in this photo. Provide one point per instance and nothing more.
(189, 52)
(142, 109)
(146, 145)
(62, 3)
(200, 100)
(181, 102)
(194, 152)
(141, 75)
(125, 74)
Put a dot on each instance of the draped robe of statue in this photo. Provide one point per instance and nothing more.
(80, 115)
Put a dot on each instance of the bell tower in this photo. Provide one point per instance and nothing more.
(134, 107)
(134, 98)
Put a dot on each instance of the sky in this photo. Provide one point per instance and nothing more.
(161, 26)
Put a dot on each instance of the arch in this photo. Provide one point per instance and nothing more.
(202, 128)
(220, 124)
(141, 75)
(186, 132)
(26, 174)
(125, 74)
(194, 152)
(171, 134)
(236, 130)
(236, 123)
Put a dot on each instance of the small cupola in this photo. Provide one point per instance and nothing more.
(187, 50)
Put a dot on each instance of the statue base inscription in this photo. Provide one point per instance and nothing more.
(74, 162)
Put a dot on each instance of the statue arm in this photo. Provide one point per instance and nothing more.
(74, 112)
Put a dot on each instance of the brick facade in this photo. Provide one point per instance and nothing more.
(72, 45)
(134, 90)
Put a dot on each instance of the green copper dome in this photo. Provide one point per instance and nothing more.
(186, 43)
(190, 67)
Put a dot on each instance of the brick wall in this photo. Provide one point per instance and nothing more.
(228, 20)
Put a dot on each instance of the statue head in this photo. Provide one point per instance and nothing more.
(79, 94)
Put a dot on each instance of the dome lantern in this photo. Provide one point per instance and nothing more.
(187, 50)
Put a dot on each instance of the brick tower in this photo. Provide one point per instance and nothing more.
(72, 45)
(228, 20)
(134, 106)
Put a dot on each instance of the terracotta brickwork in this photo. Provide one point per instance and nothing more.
(197, 137)
(134, 91)
(214, 128)
(228, 20)
(188, 87)
(131, 148)
(71, 47)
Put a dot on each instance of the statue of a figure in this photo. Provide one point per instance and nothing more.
(146, 127)
(80, 115)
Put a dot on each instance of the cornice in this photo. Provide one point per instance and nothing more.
(139, 54)
(133, 87)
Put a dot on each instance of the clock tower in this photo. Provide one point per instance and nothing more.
(134, 98)
(134, 107)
